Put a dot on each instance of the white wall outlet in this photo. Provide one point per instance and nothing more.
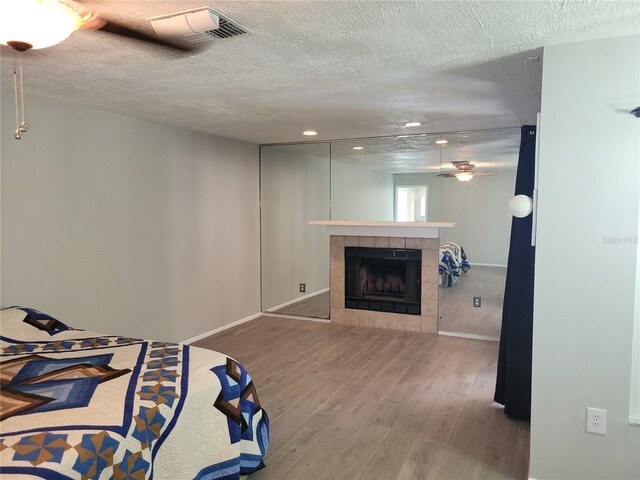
(596, 421)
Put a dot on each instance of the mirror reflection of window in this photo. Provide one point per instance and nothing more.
(411, 203)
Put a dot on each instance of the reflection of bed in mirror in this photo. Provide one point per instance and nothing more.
(453, 263)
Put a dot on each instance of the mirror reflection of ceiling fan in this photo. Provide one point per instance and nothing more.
(464, 171)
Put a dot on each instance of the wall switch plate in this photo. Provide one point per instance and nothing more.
(596, 421)
(303, 287)
(477, 301)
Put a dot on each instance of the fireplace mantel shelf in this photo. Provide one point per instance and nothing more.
(383, 229)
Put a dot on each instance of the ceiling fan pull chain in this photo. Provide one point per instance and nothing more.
(18, 133)
(23, 124)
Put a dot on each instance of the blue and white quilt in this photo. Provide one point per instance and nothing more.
(453, 262)
(81, 405)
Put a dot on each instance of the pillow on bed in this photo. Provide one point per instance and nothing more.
(42, 321)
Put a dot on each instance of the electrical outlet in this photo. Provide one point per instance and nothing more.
(303, 287)
(477, 302)
(596, 421)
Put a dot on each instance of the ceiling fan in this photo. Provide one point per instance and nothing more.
(35, 24)
(464, 171)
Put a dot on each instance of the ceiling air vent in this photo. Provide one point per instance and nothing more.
(227, 28)
(197, 26)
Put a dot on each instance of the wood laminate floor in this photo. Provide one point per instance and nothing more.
(456, 310)
(358, 403)
(317, 306)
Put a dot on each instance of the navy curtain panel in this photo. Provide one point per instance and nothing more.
(513, 383)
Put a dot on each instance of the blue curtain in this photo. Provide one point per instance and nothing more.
(513, 383)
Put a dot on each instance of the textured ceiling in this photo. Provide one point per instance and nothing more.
(489, 151)
(344, 68)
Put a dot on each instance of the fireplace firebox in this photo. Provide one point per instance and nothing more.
(383, 279)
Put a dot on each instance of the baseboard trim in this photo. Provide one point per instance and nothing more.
(468, 335)
(223, 328)
(296, 317)
(487, 265)
(304, 297)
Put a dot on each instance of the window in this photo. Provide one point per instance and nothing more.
(411, 203)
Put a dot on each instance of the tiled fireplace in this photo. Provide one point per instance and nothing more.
(383, 294)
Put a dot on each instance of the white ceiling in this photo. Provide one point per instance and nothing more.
(488, 151)
(344, 68)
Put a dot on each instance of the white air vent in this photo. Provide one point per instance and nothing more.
(227, 28)
(196, 26)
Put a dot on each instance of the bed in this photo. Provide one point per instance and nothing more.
(453, 263)
(79, 404)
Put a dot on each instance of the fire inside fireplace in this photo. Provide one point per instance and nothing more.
(383, 279)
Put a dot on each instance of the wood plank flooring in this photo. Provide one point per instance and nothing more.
(359, 403)
(317, 306)
(456, 310)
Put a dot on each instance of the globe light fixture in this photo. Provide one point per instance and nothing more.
(520, 206)
(27, 24)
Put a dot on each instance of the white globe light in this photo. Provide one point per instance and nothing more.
(464, 176)
(520, 206)
(40, 23)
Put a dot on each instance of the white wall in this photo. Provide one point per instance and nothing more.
(585, 260)
(479, 208)
(294, 190)
(359, 193)
(124, 226)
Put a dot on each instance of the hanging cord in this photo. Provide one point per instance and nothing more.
(23, 124)
(18, 134)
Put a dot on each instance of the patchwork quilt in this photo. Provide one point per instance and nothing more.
(81, 405)
(453, 262)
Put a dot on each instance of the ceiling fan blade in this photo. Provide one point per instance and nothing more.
(116, 28)
(482, 174)
(447, 175)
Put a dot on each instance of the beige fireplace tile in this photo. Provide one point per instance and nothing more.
(381, 320)
(429, 274)
(365, 318)
(414, 243)
(350, 317)
(431, 243)
(337, 315)
(397, 242)
(429, 308)
(366, 241)
(336, 269)
(412, 323)
(429, 324)
(430, 258)
(351, 241)
(337, 299)
(381, 242)
(429, 293)
(336, 248)
(337, 241)
(337, 285)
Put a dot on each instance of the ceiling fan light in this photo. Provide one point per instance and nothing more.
(40, 23)
(464, 176)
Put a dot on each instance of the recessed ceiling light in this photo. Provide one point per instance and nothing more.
(358, 148)
(309, 132)
(412, 124)
(442, 141)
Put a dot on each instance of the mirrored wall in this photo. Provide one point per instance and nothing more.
(295, 188)
(463, 177)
